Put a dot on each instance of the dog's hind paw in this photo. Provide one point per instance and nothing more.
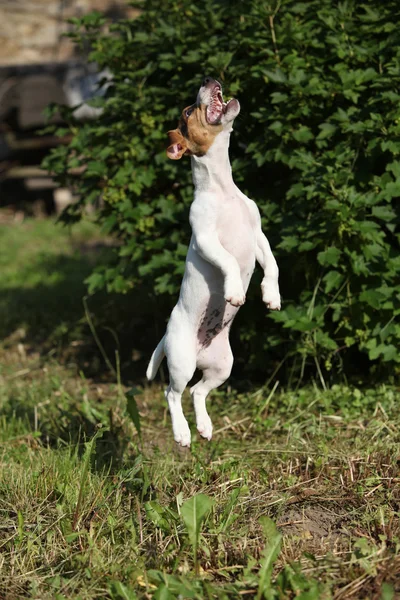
(182, 434)
(205, 428)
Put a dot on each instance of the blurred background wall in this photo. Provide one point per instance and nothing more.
(39, 65)
(31, 30)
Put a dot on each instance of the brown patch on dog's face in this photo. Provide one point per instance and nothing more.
(194, 135)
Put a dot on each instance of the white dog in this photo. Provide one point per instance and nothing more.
(226, 241)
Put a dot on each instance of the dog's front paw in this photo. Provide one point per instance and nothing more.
(237, 300)
(235, 295)
(270, 295)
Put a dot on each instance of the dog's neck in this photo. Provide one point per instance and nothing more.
(213, 170)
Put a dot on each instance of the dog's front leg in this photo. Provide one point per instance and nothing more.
(269, 285)
(209, 247)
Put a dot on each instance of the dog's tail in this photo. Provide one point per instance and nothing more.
(155, 360)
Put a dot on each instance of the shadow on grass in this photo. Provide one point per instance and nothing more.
(47, 314)
(51, 305)
(63, 419)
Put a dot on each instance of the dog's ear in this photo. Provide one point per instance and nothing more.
(178, 145)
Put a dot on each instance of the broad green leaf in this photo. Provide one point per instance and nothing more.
(327, 130)
(385, 213)
(323, 340)
(303, 134)
(387, 351)
(277, 76)
(157, 515)
(330, 256)
(163, 593)
(270, 553)
(178, 587)
(332, 280)
(394, 167)
(390, 352)
(95, 168)
(193, 512)
(387, 592)
(120, 591)
(71, 537)
(278, 97)
(372, 297)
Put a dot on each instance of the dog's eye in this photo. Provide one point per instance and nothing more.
(189, 112)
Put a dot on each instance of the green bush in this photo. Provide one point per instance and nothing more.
(316, 145)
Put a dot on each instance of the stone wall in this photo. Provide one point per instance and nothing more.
(31, 30)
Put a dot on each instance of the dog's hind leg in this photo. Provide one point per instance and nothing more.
(180, 426)
(180, 349)
(216, 363)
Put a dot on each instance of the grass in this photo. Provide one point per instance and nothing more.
(297, 495)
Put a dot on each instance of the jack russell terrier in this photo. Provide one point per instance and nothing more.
(226, 241)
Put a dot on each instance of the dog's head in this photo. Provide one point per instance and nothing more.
(201, 122)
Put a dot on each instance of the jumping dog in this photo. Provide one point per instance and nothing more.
(226, 241)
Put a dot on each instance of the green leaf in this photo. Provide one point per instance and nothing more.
(277, 76)
(120, 591)
(390, 353)
(193, 512)
(332, 280)
(163, 593)
(372, 297)
(387, 351)
(330, 256)
(95, 168)
(289, 242)
(303, 134)
(323, 340)
(71, 537)
(95, 281)
(387, 592)
(327, 130)
(385, 213)
(178, 587)
(277, 97)
(270, 553)
(90, 447)
(157, 515)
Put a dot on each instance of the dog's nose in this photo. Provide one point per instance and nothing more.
(207, 80)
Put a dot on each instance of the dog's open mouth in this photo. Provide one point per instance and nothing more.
(217, 107)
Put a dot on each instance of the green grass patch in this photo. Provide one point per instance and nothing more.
(91, 511)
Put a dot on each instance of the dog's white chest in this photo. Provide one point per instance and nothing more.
(236, 232)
